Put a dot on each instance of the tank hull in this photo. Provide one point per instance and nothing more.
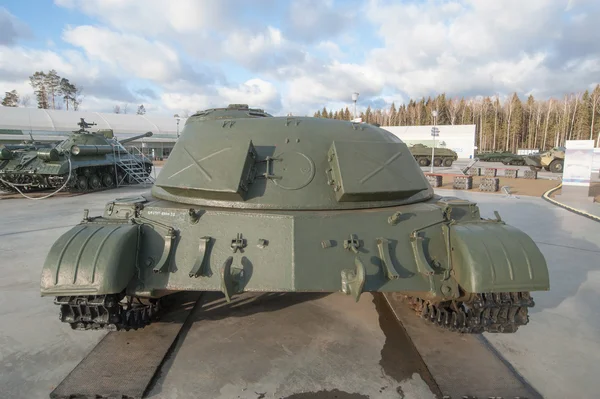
(436, 251)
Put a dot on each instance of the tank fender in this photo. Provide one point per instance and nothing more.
(92, 259)
(490, 256)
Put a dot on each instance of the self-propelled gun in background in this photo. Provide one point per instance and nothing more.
(84, 161)
(249, 202)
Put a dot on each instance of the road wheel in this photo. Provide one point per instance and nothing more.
(437, 162)
(556, 166)
(108, 180)
(95, 182)
(423, 162)
(82, 183)
(448, 162)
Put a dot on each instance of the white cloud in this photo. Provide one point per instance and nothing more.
(135, 55)
(255, 92)
(303, 54)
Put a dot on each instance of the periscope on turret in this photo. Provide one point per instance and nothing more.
(83, 162)
(251, 202)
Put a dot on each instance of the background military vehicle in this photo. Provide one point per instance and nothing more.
(293, 204)
(513, 160)
(83, 162)
(496, 156)
(552, 160)
(443, 156)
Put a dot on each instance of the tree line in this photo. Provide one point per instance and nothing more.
(51, 92)
(500, 125)
(117, 109)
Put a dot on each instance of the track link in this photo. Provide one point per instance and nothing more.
(491, 312)
(106, 312)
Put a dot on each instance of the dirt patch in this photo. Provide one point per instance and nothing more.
(519, 186)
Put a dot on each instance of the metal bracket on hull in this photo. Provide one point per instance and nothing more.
(353, 280)
(163, 264)
(230, 279)
(383, 245)
(422, 264)
(198, 269)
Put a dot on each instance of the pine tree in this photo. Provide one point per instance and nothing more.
(38, 82)
(68, 91)
(324, 113)
(317, 114)
(52, 84)
(393, 115)
(583, 117)
(11, 99)
(141, 110)
(368, 115)
(594, 100)
(516, 131)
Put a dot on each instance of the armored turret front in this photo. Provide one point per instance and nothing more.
(286, 204)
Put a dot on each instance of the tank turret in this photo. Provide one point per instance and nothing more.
(293, 204)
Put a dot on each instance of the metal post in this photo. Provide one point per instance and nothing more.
(434, 133)
(354, 98)
(177, 117)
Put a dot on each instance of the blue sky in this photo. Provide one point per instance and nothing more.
(298, 55)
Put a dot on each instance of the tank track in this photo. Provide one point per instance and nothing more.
(6, 188)
(491, 312)
(106, 312)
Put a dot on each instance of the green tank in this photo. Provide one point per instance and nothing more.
(293, 204)
(83, 162)
(496, 156)
(513, 160)
(443, 156)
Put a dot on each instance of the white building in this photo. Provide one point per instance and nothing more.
(459, 138)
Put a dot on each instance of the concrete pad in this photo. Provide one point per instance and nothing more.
(585, 204)
(558, 352)
(294, 346)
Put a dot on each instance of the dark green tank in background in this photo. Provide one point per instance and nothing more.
(496, 156)
(443, 156)
(84, 161)
(249, 202)
(513, 159)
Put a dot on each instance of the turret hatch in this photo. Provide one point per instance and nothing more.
(370, 171)
(215, 171)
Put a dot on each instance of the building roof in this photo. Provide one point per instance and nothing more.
(33, 119)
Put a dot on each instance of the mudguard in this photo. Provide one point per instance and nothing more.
(91, 259)
(491, 256)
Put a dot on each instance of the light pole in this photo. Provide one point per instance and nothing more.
(176, 116)
(434, 133)
(354, 98)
